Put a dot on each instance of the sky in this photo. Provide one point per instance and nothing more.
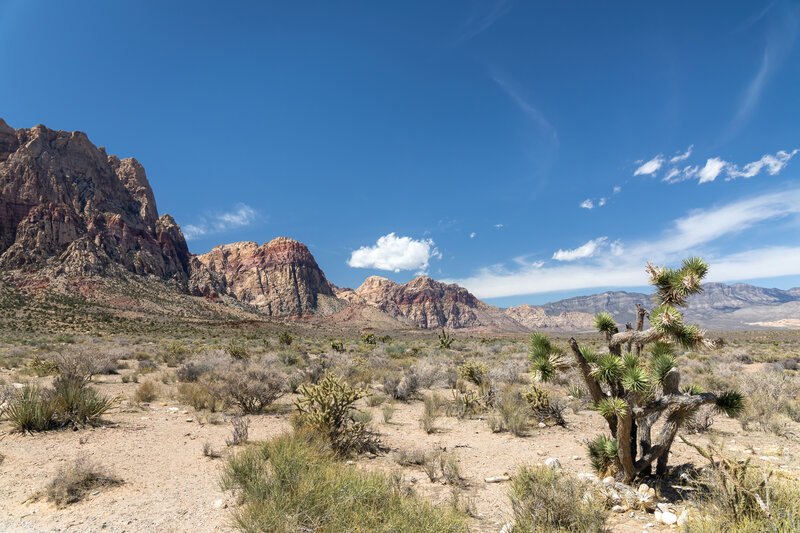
(528, 151)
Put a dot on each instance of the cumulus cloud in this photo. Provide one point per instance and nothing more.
(498, 226)
(581, 252)
(712, 169)
(472, 235)
(611, 265)
(395, 253)
(601, 202)
(587, 204)
(242, 215)
(650, 167)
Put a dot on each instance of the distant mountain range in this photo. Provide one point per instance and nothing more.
(77, 221)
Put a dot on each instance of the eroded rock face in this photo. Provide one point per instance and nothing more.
(66, 204)
(280, 277)
(430, 304)
(534, 318)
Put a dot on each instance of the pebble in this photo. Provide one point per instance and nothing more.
(542, 425)
(190, 420)
(220, 504)
(609, 480)
(552, 462)
(618, 509)
(173, 409)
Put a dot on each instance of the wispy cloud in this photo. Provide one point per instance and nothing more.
(511, 89)
(242, 215)
(621, 264)
(581, 252)
(482, 19)
(395, 253)
(714, 167)
(587, 204)
(650, 167)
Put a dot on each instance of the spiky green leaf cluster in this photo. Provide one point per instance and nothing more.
(674, 286)
(604, 323)
(609, 369)
(691, 388)
(662, 348)
(635, 379)
(630, 360)
(546, 358)
(603, 456)
(660, 365)
(611, 407)
(689, 336)
(731, 403)
(666, 319)
(539, 345)
(588, 354)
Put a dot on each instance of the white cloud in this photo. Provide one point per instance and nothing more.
(601, 202)
(672, 176)
(651, 167)
(395, 253)
(692, 234)
(682, 157)
(617, 189)
(712, 169)
(581, 252)
(498, 226)
(242, 215)
(515, 94)
(472, 235)
(773, 163)
(587, 204)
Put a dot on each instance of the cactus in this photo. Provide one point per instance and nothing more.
(285, 338)
(445, 339)
(327, 409)
(474, 372)
(337, 346)
(369, 339)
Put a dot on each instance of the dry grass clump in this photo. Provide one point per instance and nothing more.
(146, 392)
(511, 413)
(546, 500)
(295, 483)
(773, 401)
(74, 481)
(241, 431)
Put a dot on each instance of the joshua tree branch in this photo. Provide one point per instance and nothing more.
(594, 387)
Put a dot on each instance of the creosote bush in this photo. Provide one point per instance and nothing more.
(252, 389)
(146, 392)
(296, 483)
(285, 338)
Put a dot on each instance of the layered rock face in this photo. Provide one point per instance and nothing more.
(429, 304)
(534, 318)
(66, 204)
(281, 277)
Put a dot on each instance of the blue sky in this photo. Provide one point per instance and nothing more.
(455, 138)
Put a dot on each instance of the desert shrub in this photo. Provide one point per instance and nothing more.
(771, 399)
(337, 346)
(388, 413)
(146, 392)
(735, 496)
(190, 372)
(701, 420)
(474, 372)
(293, 483)
(209, 451)
(431, 411)
(369, 339)
(205, 394)
(327, 410)
(544, 499)
(466, 402)
(513, 411)
(30, 410)
(431, 461)
(252, 389)
(375, 400)
(544, 410)
(450, 467)
(237, 350)
(508, 372)
(74, 481)
(240, 431)
(603, 453)
(429, 373)
(131, 378)
(174, 353)
(42, 367)
(146, 366)
(285, 338)
(402, 388)
(83, 364)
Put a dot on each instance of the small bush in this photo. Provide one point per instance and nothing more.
(544, 499)
(368, 339)
(30, 410)
(388, 413)
(205, 394)
(474, 372)
(209, 451)
(402, 388)
(191, 372)
(288, 357)
(285, 338)
(73, 482)
(146, 392)
(337, 346)
(293, 483)
(241, 431)
(253, 389)
(513, 411)
(544, 410)
(174, 353)
(237, 350)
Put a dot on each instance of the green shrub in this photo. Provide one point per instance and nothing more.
(368, 339)
(337, 346)
(30, 410)
(252, 389)
(474, 372)
(205, 394)
(445, 339)
(285, 338)
(545, 500)
(237, 350)
(293, 483)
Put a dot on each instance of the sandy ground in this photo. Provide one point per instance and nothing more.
(169, 485)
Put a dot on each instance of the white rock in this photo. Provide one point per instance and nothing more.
(173, 409)
(683, 519)
(576, 457)
(190, 420)
(618, 509)
(609, 480)
(507, 528)
(552, 462)
(669, 518)
(542, 425)
(220, 504)
(18, 385)
(657, 514)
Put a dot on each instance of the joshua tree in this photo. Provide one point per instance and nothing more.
(632, 389)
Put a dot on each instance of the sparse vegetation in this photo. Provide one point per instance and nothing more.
(74, 481)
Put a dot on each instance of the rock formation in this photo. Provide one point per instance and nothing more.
(67, 205)
(534, 318)
(429, 304)
(281, 277)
